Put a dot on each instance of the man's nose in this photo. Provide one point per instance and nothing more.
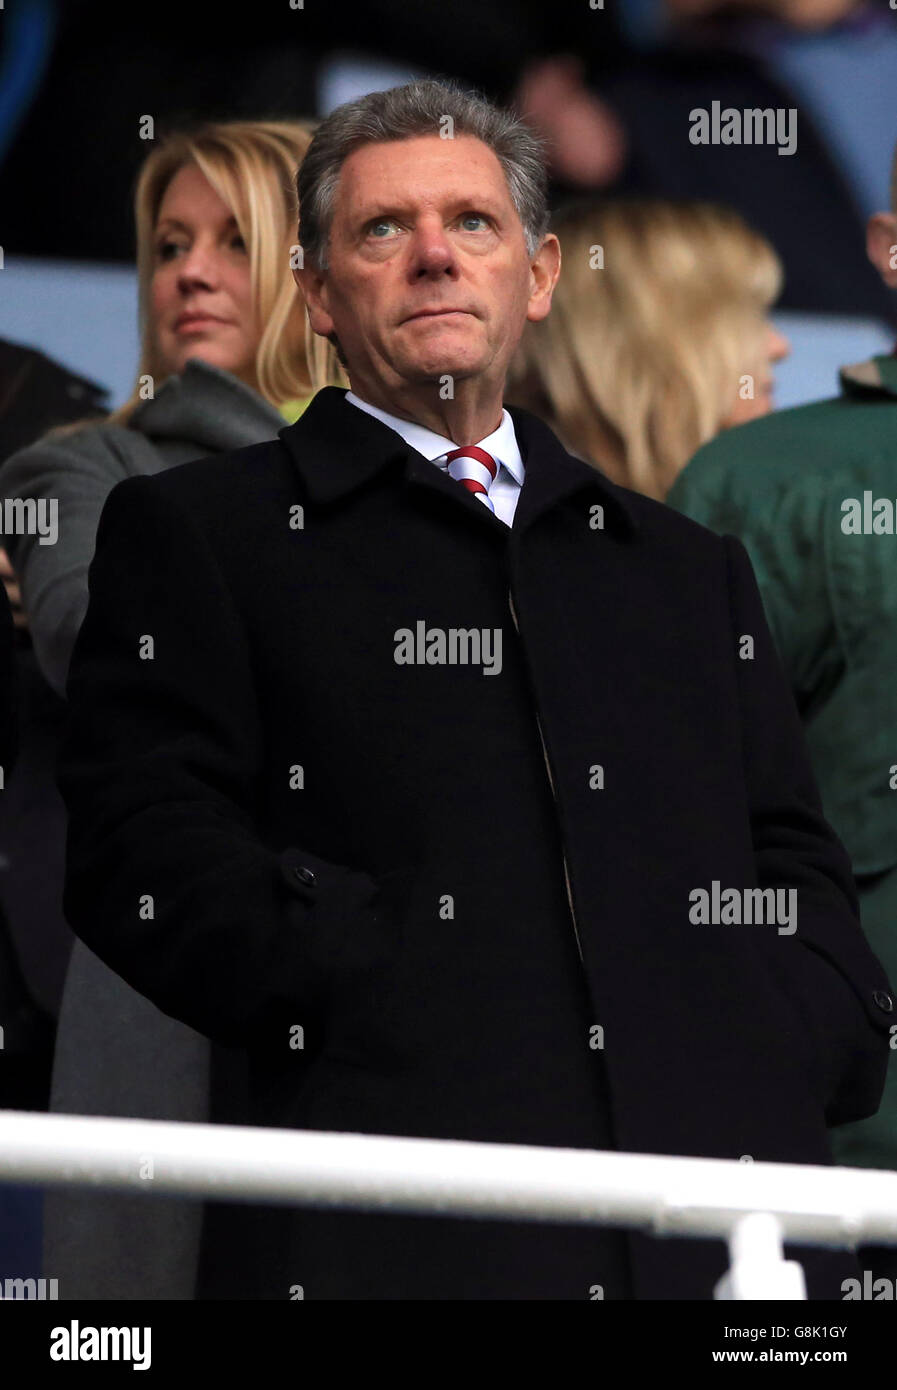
(432, 252)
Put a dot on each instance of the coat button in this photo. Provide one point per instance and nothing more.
(305, 876)
(883, 1000)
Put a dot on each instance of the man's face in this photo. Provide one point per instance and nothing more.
(424, 225)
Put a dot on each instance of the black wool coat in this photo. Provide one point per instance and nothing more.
(469, 883)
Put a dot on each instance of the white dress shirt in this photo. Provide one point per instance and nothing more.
(501, 444)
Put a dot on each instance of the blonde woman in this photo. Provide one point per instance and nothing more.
(658, 336)
(226, 360)
(227, 356)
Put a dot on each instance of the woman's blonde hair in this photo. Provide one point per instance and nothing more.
(656, 317)
(252, 167)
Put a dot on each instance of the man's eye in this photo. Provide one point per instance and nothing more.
(475, 217)
(381, 222)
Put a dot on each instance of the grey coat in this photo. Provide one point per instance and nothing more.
(201, 411)
(116, 1053)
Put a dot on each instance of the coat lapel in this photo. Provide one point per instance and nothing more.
(552, 475)
(337, 449)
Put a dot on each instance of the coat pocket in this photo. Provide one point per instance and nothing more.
(368, 993)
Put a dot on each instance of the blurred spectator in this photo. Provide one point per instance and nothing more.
(657, 339)
(811, 493)
(585, 139)
(87, 124)
(9, 726)
(833, 62)
(36, 393)
(25, 1039)
(16, 1008)
(837, 57)
(227, 359)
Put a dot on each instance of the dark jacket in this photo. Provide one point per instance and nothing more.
(275, 823)
(36, 394)
(9, 715)
(782, 484)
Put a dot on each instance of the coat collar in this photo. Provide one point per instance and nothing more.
(211, 408)
(337, 449)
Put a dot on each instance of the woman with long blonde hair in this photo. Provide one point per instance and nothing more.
(251, 166)
(227, 356)
(658, 335)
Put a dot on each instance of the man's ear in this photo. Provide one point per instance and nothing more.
(313, 287)
(544, 272)
(881, 246)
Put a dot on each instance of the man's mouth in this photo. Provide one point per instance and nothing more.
(436, 313)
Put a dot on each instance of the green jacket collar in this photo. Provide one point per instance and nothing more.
(877, 376)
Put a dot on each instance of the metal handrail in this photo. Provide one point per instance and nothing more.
(754, 1205)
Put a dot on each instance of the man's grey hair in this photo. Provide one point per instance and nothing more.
(427, 107)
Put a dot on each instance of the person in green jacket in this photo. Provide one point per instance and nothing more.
(812, 493)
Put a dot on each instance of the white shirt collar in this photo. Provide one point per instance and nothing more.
(501, 443)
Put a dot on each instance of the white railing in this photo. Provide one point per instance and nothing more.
(755, 1206)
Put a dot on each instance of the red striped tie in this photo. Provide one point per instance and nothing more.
(473, 467)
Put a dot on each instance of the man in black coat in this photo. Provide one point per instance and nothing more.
(458, 787)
